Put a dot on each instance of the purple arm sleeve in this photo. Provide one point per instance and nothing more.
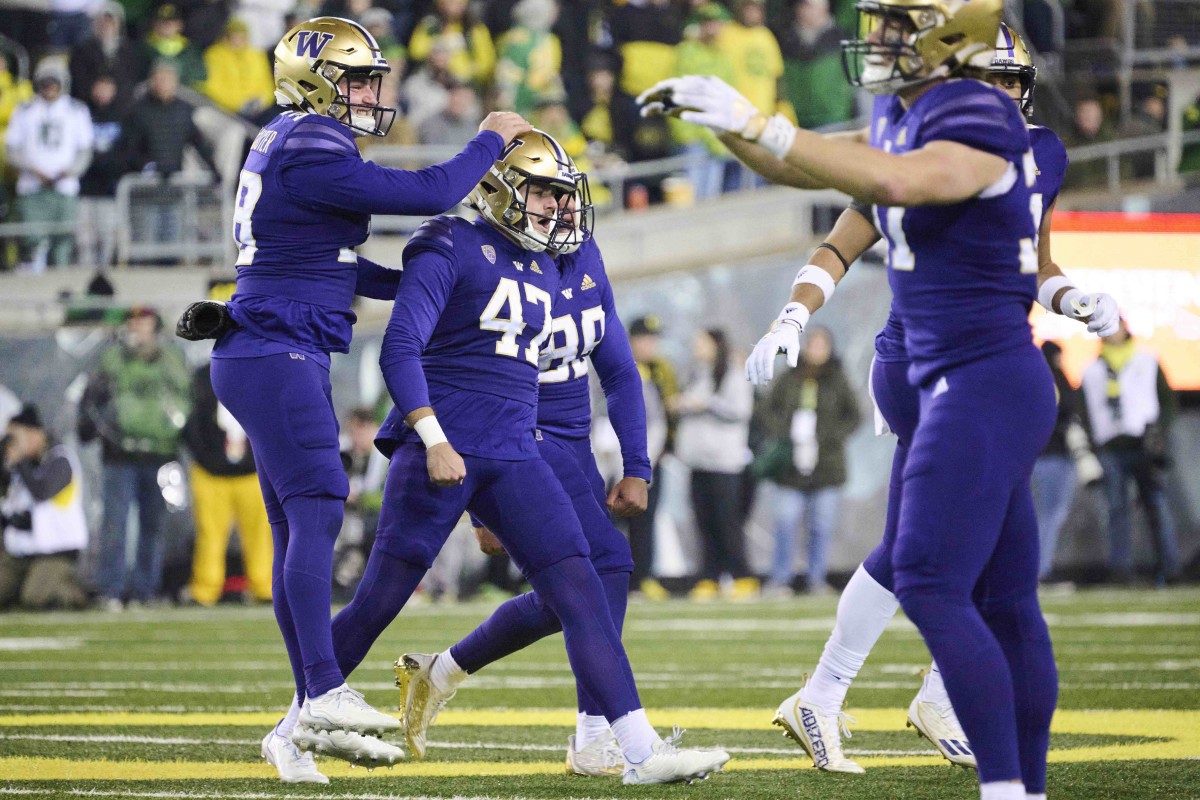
(325, 175)
(376, 281)
(429, 277)
(622, 385)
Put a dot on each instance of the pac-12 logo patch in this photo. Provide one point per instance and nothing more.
(489, 253)
(309, 44)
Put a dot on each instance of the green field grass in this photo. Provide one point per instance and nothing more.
(172, 703)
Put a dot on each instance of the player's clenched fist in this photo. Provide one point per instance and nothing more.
(506, 123)
(445, 465)
(629, 497)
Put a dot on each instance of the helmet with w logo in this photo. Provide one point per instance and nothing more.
(501, 198)
(905, 43)
(316, 63)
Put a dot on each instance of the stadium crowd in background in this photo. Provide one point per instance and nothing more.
(110, 84)
(803, 421)
(452, 61)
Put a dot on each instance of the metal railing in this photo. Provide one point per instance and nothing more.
(184, 217)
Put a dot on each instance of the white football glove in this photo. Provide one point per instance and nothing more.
(1098, 310)
(700, 99)
(784, 336)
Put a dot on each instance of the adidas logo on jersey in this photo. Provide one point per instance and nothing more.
(533, 267)
(588, 283)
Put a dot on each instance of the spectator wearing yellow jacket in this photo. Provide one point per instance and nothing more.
(239, 74)
(453, 26)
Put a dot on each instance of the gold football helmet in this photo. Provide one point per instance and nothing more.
(1011, 57)
(904, 43)
(577, 217)
(532, 157)
(315, 63)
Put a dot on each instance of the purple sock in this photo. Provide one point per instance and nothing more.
(1021, 630)
(575, 593)
(525, 619)
(386, 585)
(969, 657)
(283, 614)
(313, 524)
(616, 589)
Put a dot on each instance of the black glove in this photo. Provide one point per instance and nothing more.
(204, 319)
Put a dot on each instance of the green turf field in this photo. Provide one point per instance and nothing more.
(172, 703)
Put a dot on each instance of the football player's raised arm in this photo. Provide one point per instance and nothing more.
(776, 170)
(376, 281)
(323, 170)
(1058, 294)
(852, 235)
(941, 172)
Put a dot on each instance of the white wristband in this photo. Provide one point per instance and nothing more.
(778, 136)
(794, 313)
(1051, 287)
(430, 431)
(812, 274)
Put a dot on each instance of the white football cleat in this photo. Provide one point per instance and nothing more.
(420, 699)
(670, 764)
(600, 759)
(938, 723)
(818, 732)
(293, 765)
(366, 751)
(343, 709)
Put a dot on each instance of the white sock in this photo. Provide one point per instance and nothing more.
(288, 723)
(932, 688)
(589, 728)
(1002, 790)
(1041, 796)
(446, 673)
(331, 691)
(636, 736)
(863, 612)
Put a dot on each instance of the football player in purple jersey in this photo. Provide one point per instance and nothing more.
(868, 603)
(587, 334)
(461, 356)
(948, 168)
(304, 202)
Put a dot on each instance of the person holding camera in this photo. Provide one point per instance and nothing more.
(42, 518)
(1130, 407)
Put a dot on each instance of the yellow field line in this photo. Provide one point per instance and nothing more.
(1180, 728)
(1176, 724)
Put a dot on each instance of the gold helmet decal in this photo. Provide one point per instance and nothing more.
(532, 157)
(316, 63)
(904, 43)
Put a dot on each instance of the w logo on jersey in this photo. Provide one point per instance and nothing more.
(309, 44)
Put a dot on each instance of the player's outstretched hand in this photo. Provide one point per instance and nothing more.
(445, 465)
(488, 543)
(1099, 311)
(204, 319)
(506, 123)
(783, 336)
(629, 497)
(701, 99)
